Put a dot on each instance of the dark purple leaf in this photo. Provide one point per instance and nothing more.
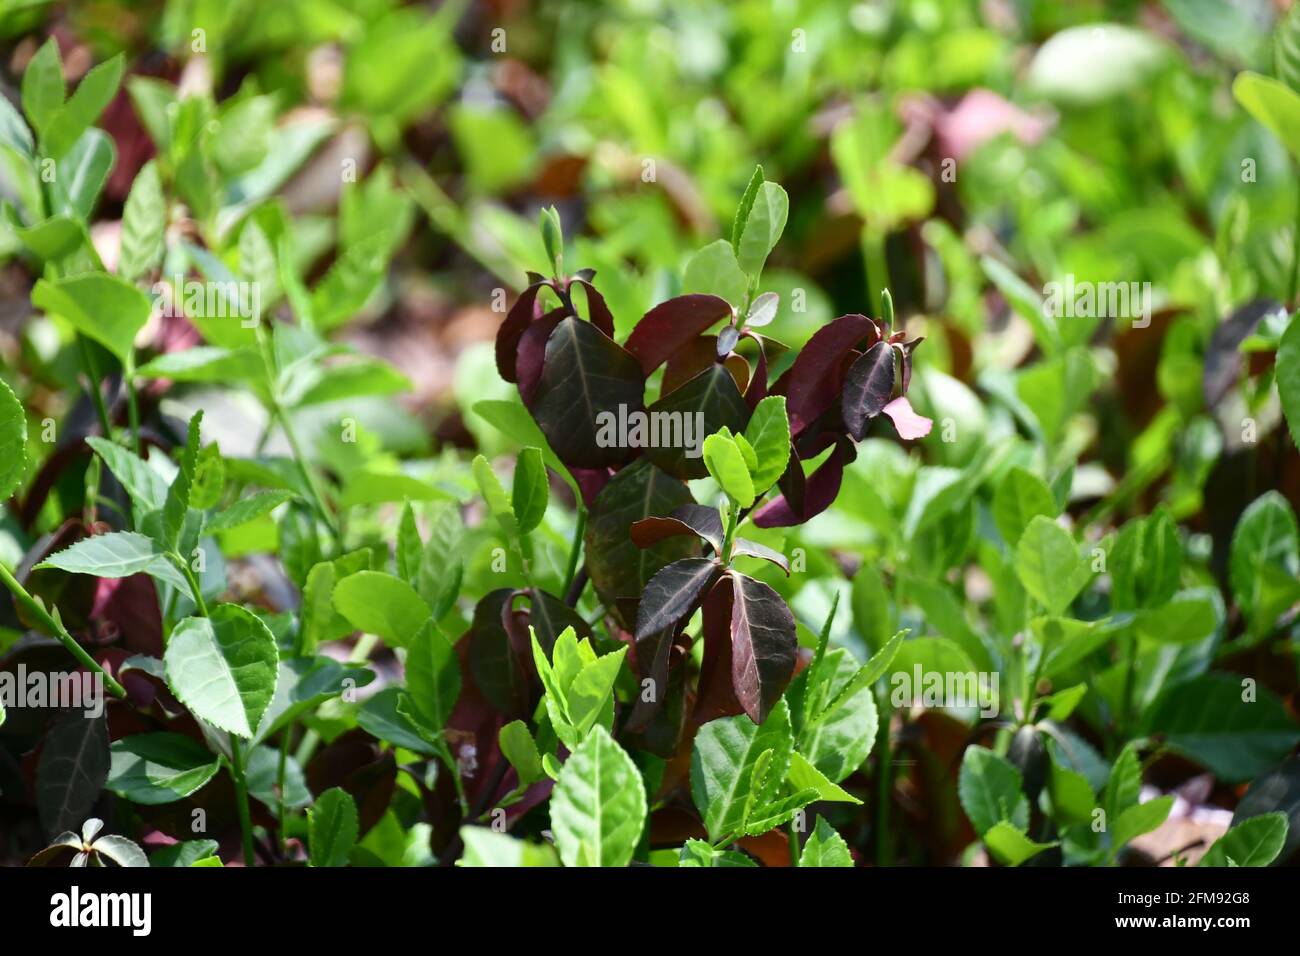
(757, 390)
(672, 594)
(687, 520)
(818, 493)
(699, 408)
(585, 374)
(496, 658)
(1223, 358)
(715, 696)
(815, 378)
(867, 388)
(532, 352)
(513, 328)
(72, 770)
(763, 645)
(549, 616)
(597, 311)
(618, 568)
(755, 550)
(671, 325)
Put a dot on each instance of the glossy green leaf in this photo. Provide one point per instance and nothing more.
(598, 806)
(224, 668)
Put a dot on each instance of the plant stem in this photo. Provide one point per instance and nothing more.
(193, 582)
(132, 407)
(578, 532)
(1295, 255)
(884, 787)
(241, 799)
(876, 265)
(37, 610)
(93, 386)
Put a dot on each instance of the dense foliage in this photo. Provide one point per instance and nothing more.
(499, 435)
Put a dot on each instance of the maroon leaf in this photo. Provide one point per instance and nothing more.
(618, 568)
(657, 720)
(590, 482)
(757, 390)
(755, 550)
(495, 658)
(815, 377)
(867, 388)
(820, 490)
(672, 594)
(597, 310)
(513, 328)
(763, 645)
(679, 422)
(72, 770)
(549, 616)
(671, 325)
(584, 375)
(689, 519)
(532, 352)
(715, 696)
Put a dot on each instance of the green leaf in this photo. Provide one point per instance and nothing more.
(13, 441)
(989, 787)
(432, 676)
(332, 828)
(727, 466)
(519, 747)
(768, 433)
(159, 767)
(552, 238)
(1049, 566)
(598, 806)
(1020, 497)
(1010, 846)
(1232, 727)
(1139, 819)
(80, 175)
(1273, 104)
(744, 207)
(99, 306)
(825, 848)
(1256, 841)
(715, 271)
(248, 509)
(410, 549)
(118, 554)
(43, 86)
(95, 91)
(804, 776)
(485, 847)
(381, 604)
(1287, 370)
(1145, 562)
(722, 767)
(1027, 303)
(143, 222)
(320, 620)
(1264, 560)
(224, 668)
(177, 503)
(1072, 798)
(206, 363)
(763, 228)
(842, 719)
(531, 492)
(699, 854)
(495, 496)
(1188, 617)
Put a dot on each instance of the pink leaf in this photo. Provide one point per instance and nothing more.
(910, 425)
